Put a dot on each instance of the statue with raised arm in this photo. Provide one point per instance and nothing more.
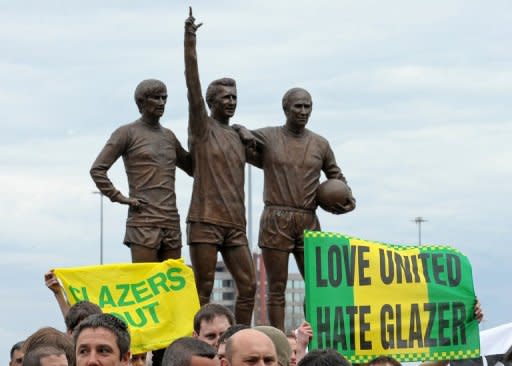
(150, 154)
(216, 219)
(292, 158)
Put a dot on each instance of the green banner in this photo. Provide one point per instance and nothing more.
(366, 299)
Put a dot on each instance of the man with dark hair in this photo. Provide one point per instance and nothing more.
(384, 361)
(221, 347)
(211, 321)
(16, 354)
(150, 154)
(189, 351)
(292, 158)
(138, 359)
(49, 336)
(249, 347)
(102, 338)
(216, 219)
(45, 356)
(79, 312)
(324, 357)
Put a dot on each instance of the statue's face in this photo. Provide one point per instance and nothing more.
(224, 104)
(299, 109)
(154, 105)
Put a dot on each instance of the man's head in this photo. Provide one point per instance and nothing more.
(221, 98)
(189, 351)
(280, 341)
(16, 354)
(325, 357)
(297, 106)
(221, 348)
(211, 321)
(78, 312)
(138, 359)
(249, 347)
(102, 338)
(384, 361)
(292, 341)
(45, 356)
(151, 96)
(52, 337)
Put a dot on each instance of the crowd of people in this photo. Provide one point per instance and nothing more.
(94, 338)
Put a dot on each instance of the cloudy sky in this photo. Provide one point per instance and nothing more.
(413, 96)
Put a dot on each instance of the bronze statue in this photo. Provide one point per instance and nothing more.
(292, 158)
(216, 218)
(150, 154)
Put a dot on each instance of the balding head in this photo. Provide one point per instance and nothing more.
(250, 347)
(293, 93)
(283, 349)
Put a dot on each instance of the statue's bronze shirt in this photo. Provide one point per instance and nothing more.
(150, 155)
(219, 160)
(292, 165)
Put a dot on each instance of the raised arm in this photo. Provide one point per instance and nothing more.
(53, 284)
(303, 335)
(197, 113)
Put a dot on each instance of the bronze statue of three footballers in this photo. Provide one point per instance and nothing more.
(292, 158)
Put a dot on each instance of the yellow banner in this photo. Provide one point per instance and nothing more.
(389, 284)
(158, 301)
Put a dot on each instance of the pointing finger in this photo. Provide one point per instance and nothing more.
(189, 11)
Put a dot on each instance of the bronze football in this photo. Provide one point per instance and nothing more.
(331, 192)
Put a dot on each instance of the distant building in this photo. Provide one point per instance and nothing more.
(224, 293)
(223, 287)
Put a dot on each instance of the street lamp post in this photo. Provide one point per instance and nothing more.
(419, 220)
(249, 207)
(101, 225)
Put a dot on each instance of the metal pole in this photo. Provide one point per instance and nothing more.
(101, 225)
(101, 228)
(419, 220)
(419, 232)
(249, 207)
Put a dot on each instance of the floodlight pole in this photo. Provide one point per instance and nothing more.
(101, 225)
(249, 207)
(419, 220)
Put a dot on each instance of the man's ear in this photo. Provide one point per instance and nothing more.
(224, 362)
(194, 334)
(125, 359)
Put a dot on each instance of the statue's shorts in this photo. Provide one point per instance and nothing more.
(282, 228)
(153, 237)
(205, 233)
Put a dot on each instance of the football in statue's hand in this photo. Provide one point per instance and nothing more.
(332, 194)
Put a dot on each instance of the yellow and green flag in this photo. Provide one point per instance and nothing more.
(158, 301)
(367, 299)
